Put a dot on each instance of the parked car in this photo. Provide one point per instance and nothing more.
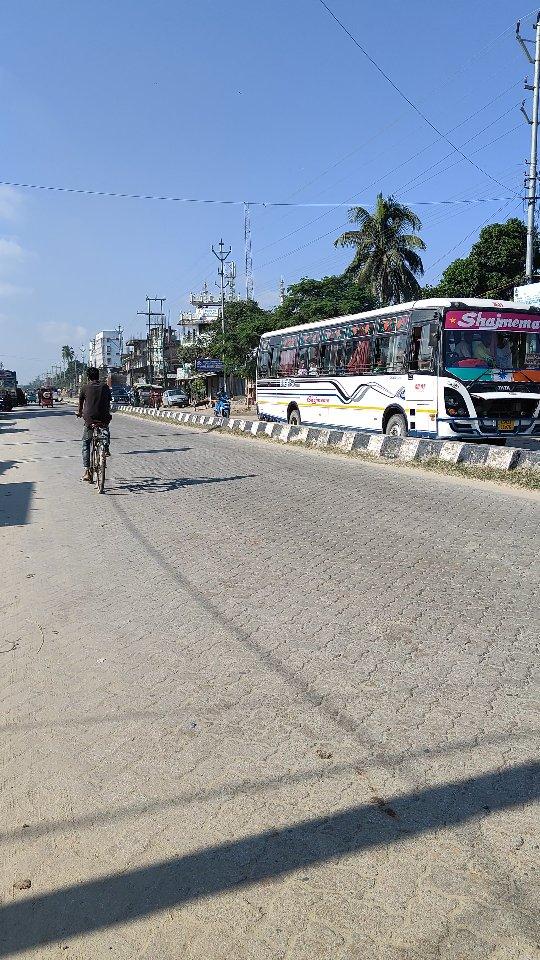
(175, 398)
(6, 400)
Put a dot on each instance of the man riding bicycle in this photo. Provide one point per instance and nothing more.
(95, 409)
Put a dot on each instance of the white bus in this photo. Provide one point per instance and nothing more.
(466, 370)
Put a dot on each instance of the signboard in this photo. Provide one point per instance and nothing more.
(492, 320)
(528, 294)
(207, 365)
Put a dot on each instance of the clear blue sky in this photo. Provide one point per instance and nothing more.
(245, 100)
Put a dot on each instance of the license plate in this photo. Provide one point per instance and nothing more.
(506, 424)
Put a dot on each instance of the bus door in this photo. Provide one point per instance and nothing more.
(421, 386)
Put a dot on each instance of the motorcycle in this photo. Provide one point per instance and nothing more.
(222, 406)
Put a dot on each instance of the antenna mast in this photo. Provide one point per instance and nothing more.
(248, 254)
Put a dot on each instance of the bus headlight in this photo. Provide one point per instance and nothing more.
(454, 403)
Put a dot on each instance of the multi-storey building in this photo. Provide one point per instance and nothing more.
(196, 323)
(135, 361)
(104, 351)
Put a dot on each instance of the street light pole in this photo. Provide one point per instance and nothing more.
(532, 179)
(222, 256)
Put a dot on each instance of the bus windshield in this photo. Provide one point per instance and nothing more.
(505, 345)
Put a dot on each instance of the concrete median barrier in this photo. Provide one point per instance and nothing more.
(406, 449)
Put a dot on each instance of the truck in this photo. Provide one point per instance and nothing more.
(8, 380)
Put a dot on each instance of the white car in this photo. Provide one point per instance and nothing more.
(175, 398)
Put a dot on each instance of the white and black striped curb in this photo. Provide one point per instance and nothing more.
(352, 441)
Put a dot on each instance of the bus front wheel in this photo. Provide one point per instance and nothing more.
(396, 426)
(293, 417)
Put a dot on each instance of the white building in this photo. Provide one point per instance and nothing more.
(105, 350)
(198, 322)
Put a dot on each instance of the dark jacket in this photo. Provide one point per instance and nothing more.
(95, 403)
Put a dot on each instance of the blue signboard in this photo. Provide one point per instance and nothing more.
(207, 365)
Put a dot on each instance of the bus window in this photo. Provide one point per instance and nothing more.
(422, 349)
(262, 360)
(303, 362)
(287, 362)
(273, 359)
(313, 360)
(328, 357)
(356, 354)
(389, 353)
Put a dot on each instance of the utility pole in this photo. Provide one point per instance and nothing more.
(222, 256)
(120, 331)
(532, 178)
(149, 313)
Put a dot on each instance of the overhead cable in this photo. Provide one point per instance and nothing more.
(407, 99)
(84, 191)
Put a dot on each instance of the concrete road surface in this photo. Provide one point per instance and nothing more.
(261, 702)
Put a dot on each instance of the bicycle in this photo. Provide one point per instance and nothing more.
(98, 456)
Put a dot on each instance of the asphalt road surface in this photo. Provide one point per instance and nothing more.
(263, 702)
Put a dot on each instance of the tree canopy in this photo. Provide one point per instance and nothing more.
(494, 266)
(386, 261)
(311, 300)
(245, 321)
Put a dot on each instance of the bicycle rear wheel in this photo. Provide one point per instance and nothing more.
(93, 460)
(102, 464)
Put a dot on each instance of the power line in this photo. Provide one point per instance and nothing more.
(449, 78)
(403, 163)
(411, 203)
(466, 237)
(437, 219)
(428, 146)
(407, 99)
(215, 201)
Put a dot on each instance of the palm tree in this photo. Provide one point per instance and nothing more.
(386, 260)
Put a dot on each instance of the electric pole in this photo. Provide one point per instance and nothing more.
(222, 256)
(120, 331)
(149, 313)
(532, 178)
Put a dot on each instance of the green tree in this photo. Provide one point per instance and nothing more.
(312, 300)
(190, 350)
(68, 354)
(245, 321)
(386, 258)
(494, 266)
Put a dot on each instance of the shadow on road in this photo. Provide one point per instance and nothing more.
(121, 898)
(242, 788)
(6, 465)
(132, 453)
(167, 485)
(15, 499)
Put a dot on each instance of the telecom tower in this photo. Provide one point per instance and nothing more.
(248, 254)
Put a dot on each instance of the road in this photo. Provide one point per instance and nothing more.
(262, 702)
